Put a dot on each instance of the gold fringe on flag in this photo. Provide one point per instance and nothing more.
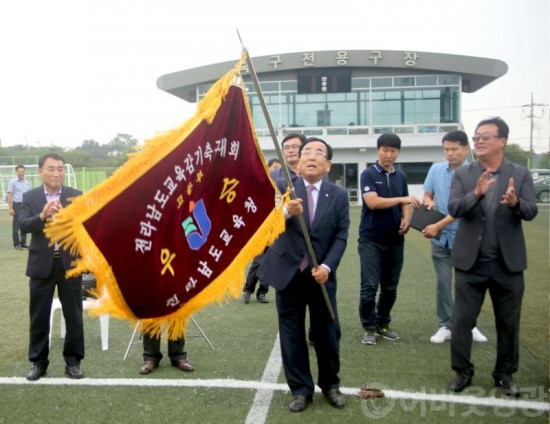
(69, 232)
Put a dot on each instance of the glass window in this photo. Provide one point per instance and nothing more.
(306, 114)
(448, 128)
(420, 109)
(386, 112)
(360, 83)
(449, 104)
(381, 107)
(289, 85)
(392, 94)
(364, 109)
(342, 113)
(403, 81)
(386, 107)
(381, 82)
(426, 80)
(427, 129)
(404, 130)
(430, 94)
(270, 86)
(416, 171)
(312, 98)
(383, 130)
(447, 79)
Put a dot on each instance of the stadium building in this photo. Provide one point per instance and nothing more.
(350, 97)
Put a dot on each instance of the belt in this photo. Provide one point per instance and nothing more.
(56, 254)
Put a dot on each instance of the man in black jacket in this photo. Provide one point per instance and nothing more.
(46, 267)
(492, 197)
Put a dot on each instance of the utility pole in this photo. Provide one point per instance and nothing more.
(532, 116)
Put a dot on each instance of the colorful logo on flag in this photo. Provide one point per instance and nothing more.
(175, 227)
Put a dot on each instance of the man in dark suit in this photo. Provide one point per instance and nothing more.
(46, 267)
(491, 197)
(290, 147)
(288, 267)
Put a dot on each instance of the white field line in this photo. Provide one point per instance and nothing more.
(258, 385)
(262, 400)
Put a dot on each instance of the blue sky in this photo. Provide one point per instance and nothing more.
(77, 70)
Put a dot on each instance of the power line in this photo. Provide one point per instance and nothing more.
(502, 107)
(533, 113)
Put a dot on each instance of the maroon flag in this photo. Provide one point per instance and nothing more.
(174, 228)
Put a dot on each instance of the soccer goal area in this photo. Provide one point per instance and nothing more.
(7, 172)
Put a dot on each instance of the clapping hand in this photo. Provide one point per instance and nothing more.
(509, 198)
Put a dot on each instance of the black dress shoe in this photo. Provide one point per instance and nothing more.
(460, 382)
(335, 398)
(74, 372)
(299, 403)
(36, 372)
(183, 365)
(148, 367)
(507, 386)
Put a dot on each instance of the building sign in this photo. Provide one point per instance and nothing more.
(313, 81)
(342, 58)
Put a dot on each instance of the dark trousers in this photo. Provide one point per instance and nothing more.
(303, 291)
(151, 349)
(19, 238)
(41, 297)
(381, 266)
(506, 291)
(252, 278)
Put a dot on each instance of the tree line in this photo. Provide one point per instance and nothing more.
(114, 153)
(90, 154)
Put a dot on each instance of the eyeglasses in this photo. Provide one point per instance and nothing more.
(484, 137)
(317, 153)
(291, 147)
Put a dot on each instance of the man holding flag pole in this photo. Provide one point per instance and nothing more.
(303, 282)
(300, 283)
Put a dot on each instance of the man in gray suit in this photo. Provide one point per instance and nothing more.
(491, 197)
(46, 269)
(289, 269)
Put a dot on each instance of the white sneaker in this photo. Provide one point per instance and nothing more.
(442, 334)
(478, 336)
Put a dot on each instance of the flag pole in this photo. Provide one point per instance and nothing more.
(285, 169)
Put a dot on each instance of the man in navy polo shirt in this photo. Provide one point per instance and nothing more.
(385, 219)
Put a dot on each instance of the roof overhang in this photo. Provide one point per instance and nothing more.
(476, 72)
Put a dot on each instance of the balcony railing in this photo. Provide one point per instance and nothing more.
(361, 130)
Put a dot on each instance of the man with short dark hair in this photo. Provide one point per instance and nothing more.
(491, 197)
(385, 219)
(46, 268)
(290, 146)
(288, 267)
(16, 188)
(273, 164)
(436, 196)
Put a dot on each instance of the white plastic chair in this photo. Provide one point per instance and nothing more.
(86, 304)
